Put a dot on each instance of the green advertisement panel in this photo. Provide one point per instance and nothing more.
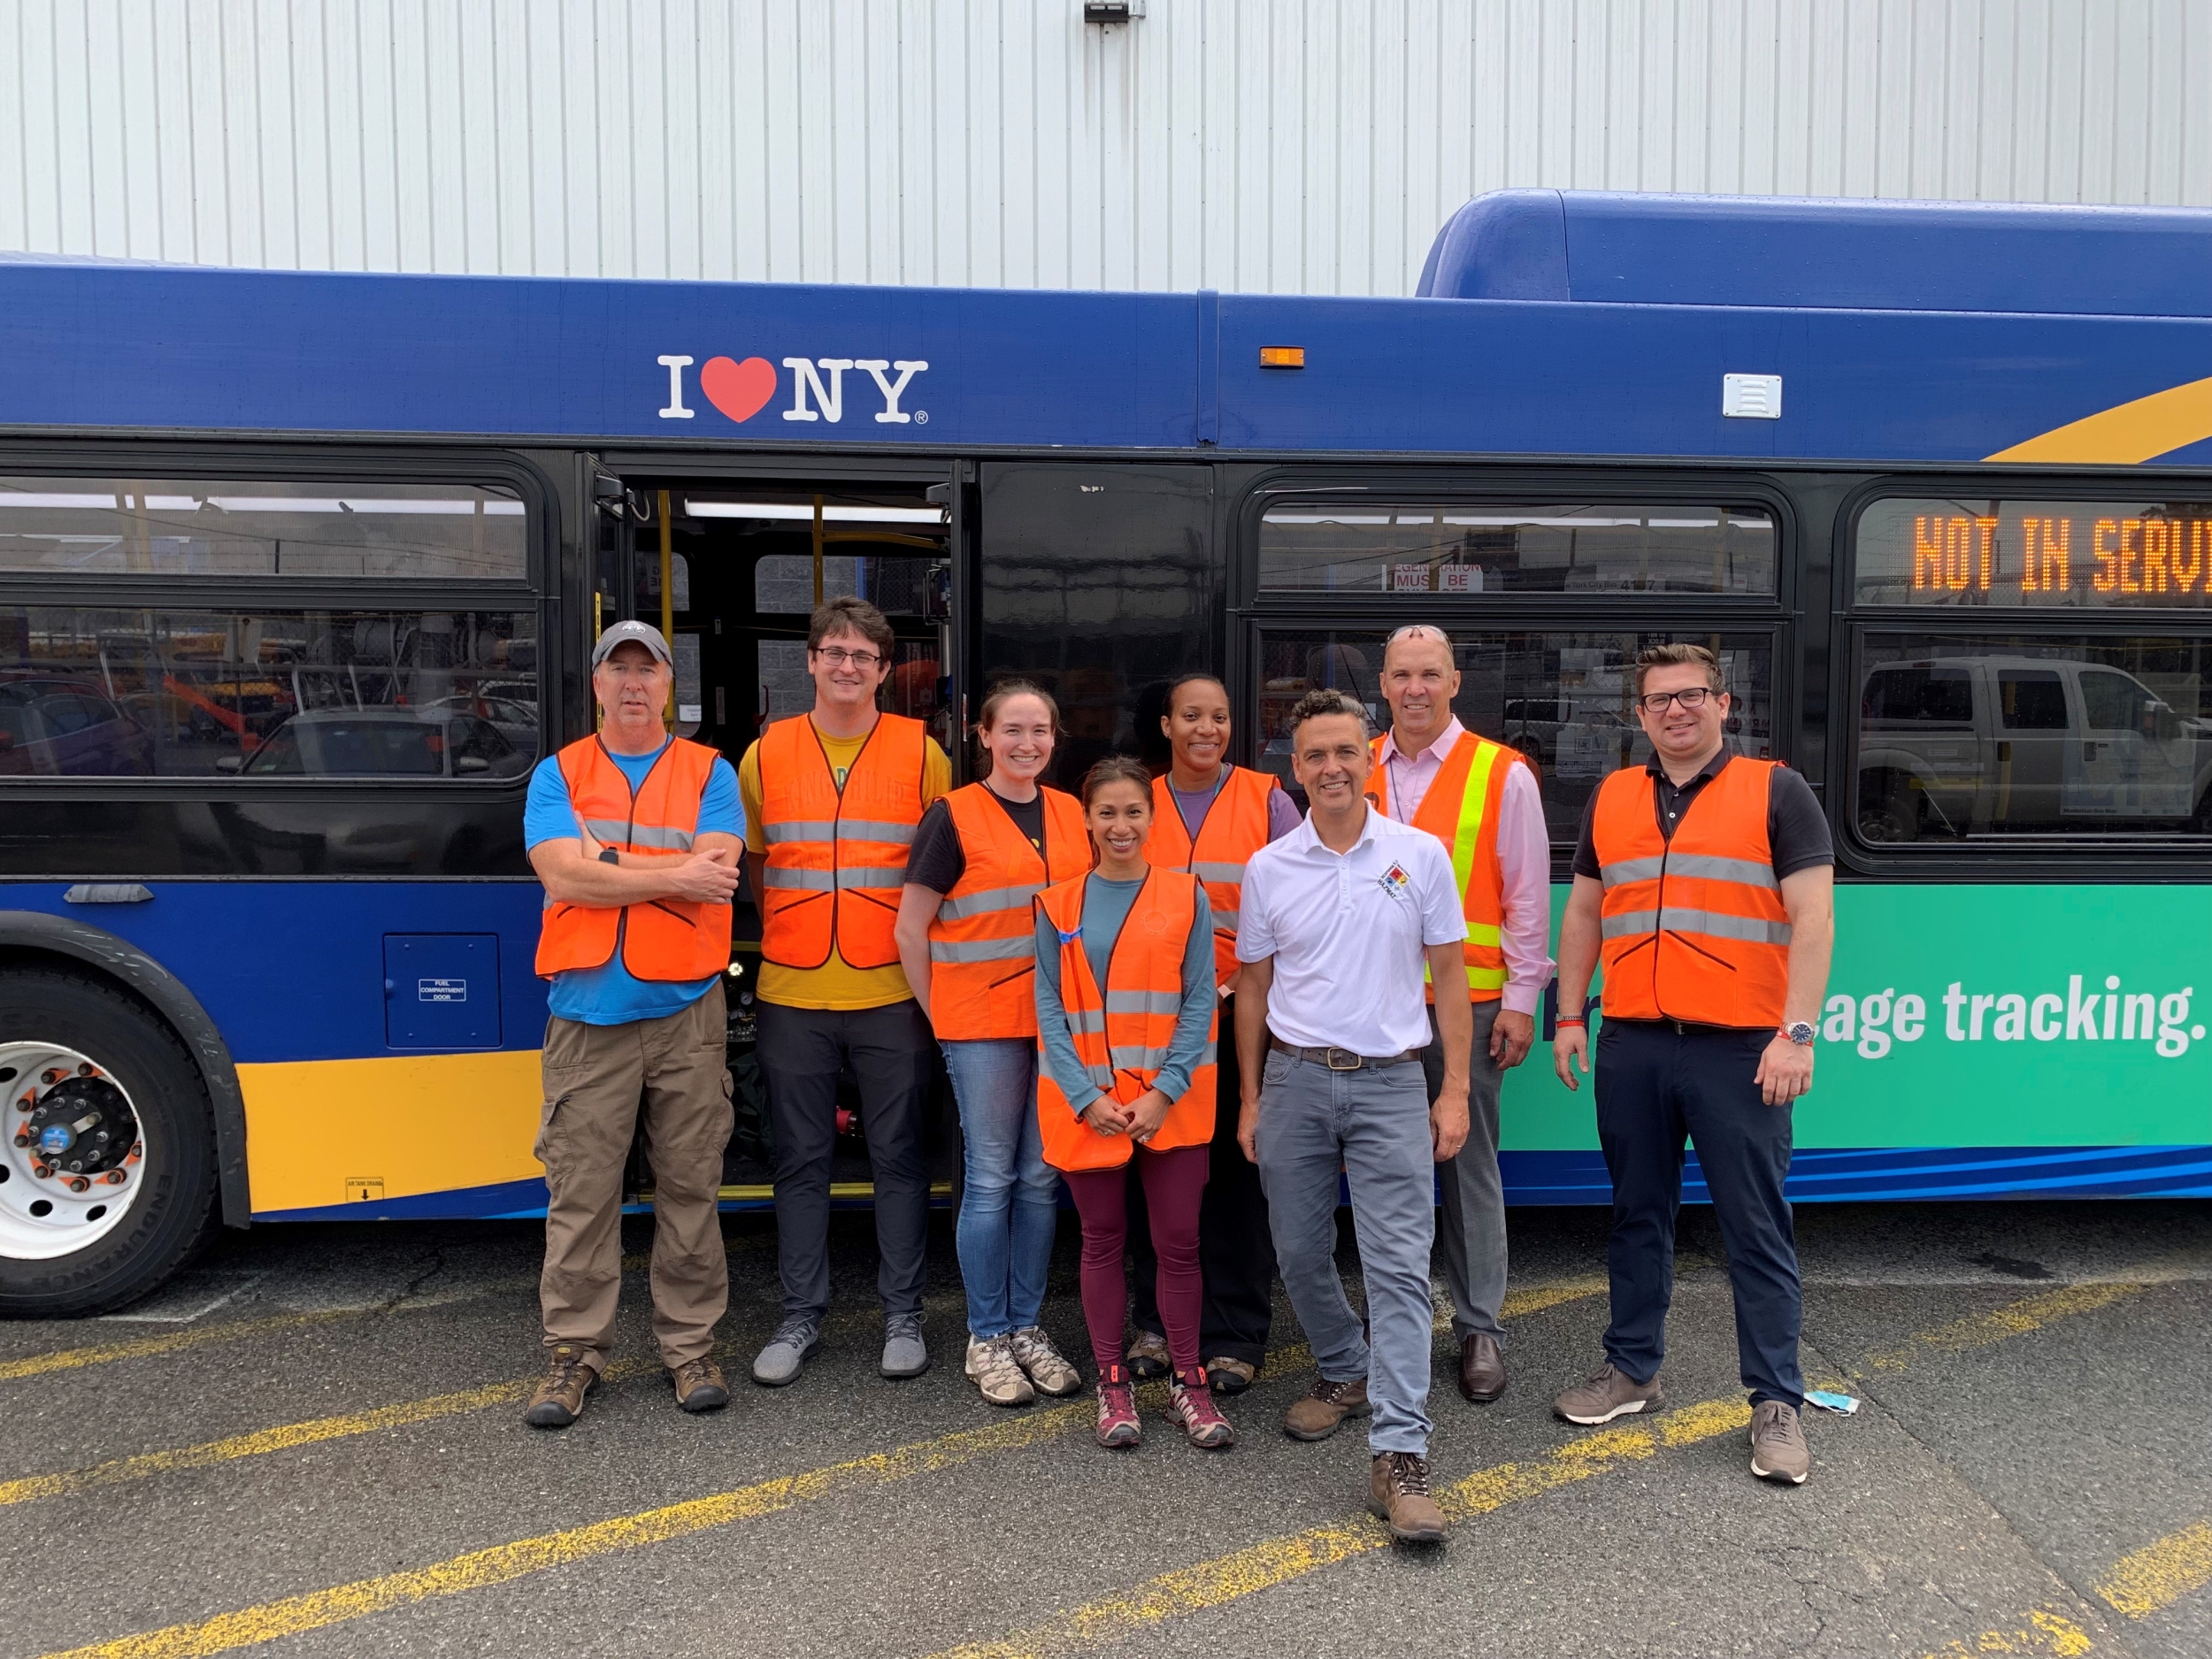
(1972, 1016)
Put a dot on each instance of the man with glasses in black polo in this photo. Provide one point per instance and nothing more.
(1705, 880)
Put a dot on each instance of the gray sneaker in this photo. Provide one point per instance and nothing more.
(1778, 1451)
(904, 1353)
(1605, 1394)
(797, 1340)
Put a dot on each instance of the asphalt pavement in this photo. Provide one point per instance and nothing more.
(312, 1444)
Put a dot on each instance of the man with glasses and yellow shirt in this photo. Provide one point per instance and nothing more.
(1706, 882)
(832, 799)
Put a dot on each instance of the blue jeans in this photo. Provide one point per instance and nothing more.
(1010, 1201)
(1374, 1126)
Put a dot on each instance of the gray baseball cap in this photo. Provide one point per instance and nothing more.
(632, 634)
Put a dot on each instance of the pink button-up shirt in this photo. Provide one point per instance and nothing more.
(1523, 860)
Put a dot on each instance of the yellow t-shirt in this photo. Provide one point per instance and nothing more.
(835, 984)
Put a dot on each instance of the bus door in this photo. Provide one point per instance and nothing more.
(730, 564)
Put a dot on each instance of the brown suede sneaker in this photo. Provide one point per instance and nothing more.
(699, 1385)
(1398, 1491)
(1608, 1393)
(559, 1399)
(1778, 1451)
(1322, 1412)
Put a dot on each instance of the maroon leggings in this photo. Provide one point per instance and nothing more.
(1174, 1180)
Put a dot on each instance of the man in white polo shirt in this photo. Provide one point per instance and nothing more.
(1337, 922)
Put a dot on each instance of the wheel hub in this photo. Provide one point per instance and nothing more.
(71, 1151)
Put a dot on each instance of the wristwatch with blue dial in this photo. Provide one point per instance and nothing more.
(1798, 1032)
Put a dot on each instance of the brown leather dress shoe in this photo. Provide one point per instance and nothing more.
(1481, 1368)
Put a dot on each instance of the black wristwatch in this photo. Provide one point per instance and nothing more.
(608, 856)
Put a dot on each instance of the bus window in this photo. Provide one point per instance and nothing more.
(1483, 547)
(2065, 737)
(1563, 699)
(103, 526)
(97, 692)
(2123, 553)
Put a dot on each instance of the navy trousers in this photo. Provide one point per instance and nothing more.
(1656, 1086)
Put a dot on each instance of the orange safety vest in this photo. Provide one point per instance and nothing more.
(1462, 810)
(983, 940)
(837, 859)
(1122, 1036)
(1234, 828)
(1692, 928)
(666, 938)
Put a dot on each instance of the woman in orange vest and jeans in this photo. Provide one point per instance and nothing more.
(1124, 989)
(981, 855)
(1208, 818)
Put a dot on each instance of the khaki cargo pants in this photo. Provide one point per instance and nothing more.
(595, 1076)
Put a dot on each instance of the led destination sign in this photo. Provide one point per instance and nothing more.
(2076, 554)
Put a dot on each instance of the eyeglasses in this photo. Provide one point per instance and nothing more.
(1691, 697)
(837, 656)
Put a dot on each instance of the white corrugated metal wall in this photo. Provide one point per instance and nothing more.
(1294, 146)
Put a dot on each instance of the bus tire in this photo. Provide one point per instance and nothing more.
(167, 1211)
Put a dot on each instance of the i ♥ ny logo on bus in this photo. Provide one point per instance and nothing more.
(740, 388)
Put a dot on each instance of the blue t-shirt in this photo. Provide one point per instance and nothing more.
(610, 995)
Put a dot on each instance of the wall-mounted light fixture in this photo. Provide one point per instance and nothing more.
(1112, 11)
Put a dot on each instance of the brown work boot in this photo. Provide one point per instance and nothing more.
(1778, 1451)
(1322, 1411)
(1608, 1393)
(1398, 1491)
(559, 1399)
(1481, 1368)
(699, 1385)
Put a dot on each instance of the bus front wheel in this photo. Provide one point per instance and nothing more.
(107, 1148)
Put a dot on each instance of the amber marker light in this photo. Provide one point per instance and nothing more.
(1282, 356)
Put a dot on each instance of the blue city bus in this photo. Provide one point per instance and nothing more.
(298, 572)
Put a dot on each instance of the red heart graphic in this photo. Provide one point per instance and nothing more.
(739, 390)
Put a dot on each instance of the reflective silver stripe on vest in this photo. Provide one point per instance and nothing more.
(1132, 1057)
(873, 877)
(1086, 1022)
(807, 880)
(861, 829)
(1226, 921)
(1144, 1002)
(800, 830)
(1703, 866)
(1624, 869)
(1021, 947)
(1712, 924)
(645, 835)
(983, 900)
(1218, 872)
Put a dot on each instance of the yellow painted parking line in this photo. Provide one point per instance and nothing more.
(2158, 1575)
(2016, 1319)
(2043, 1632)
(1277, 1561)
(320, 1609)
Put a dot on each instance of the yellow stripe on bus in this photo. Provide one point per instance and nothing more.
(2126, 434)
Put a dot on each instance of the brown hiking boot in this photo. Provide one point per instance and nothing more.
(1398, 1491)
(1778, 1451)
(1608, 1393)
(699, 1385)
(1322, 1412)
(559, 1399)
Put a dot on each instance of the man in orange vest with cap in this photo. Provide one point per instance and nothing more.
(1481, 801)
(1705, 882)
(637, 837)
(832, 799)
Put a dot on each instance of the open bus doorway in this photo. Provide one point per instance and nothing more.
(745, 561)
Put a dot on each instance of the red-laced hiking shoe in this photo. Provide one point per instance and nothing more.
(1117, 1423)
(1190, 1405)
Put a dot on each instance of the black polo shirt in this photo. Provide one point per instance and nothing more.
(1797, 833)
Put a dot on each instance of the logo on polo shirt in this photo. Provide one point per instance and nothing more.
(1394, 882)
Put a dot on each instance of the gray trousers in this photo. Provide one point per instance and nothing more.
(1472, 1232)
(1374, 1124)
(802, 1052)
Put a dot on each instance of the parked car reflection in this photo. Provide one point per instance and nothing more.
(432, 743)
(68, 729)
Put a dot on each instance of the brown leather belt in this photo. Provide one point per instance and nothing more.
(1341, 1059)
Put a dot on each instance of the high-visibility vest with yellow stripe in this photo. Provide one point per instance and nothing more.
(665, 938)
(983, 940)
(1691, 928)
(1123, 1030)
(1461, 810)
(1234, 828)
(837, 859)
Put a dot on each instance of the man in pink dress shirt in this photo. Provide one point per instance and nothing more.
(1419, 679)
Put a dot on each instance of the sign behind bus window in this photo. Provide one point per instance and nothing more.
(116, 527)
(1489, 548)
(2122, 553)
